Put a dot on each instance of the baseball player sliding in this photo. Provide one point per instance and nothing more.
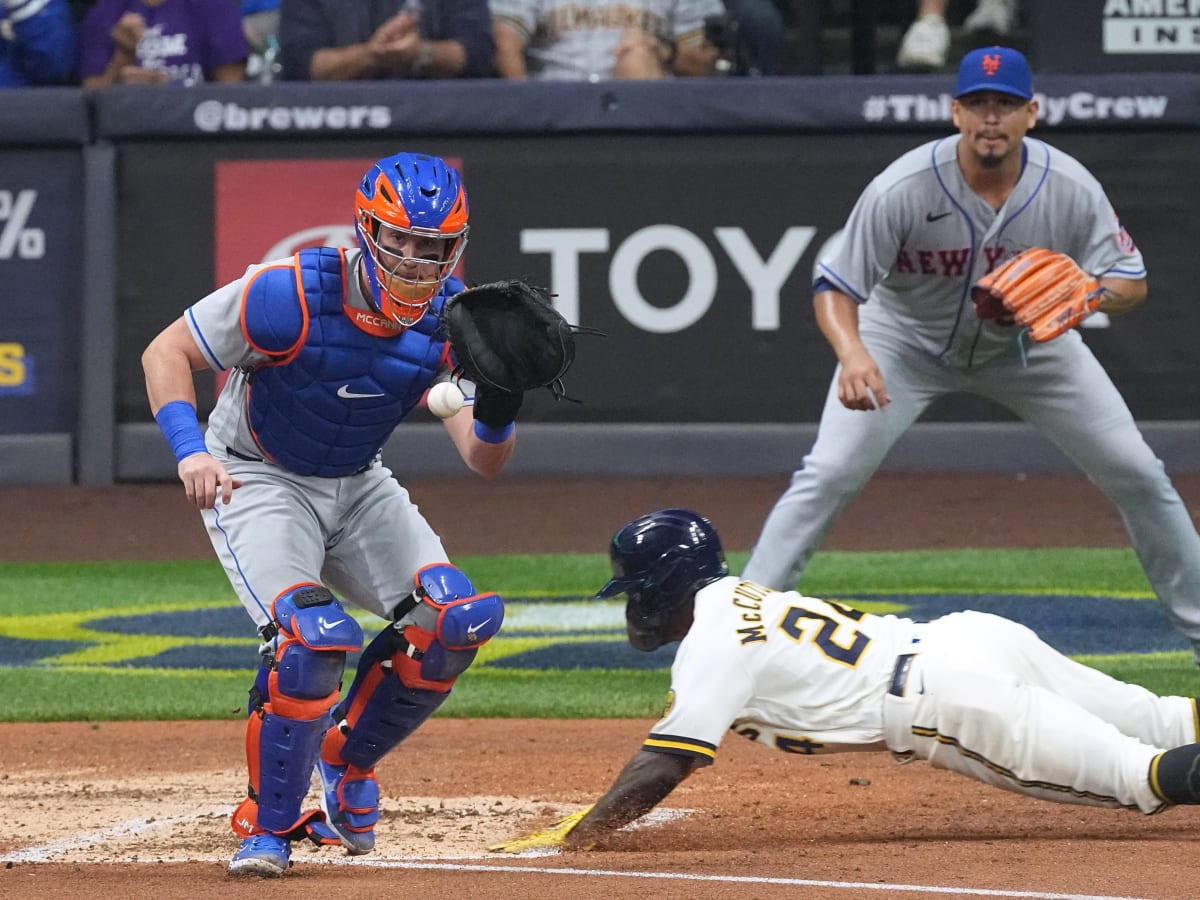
(893, 298)
(970, 692)
(328, 352)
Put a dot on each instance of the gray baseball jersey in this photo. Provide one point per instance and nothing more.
(919, 237)
(215, 323)
(970, 692)
(361, 535)
(574, 40)
(915, 242)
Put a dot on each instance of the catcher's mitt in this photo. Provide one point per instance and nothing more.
(1040, 290)
(508, 337)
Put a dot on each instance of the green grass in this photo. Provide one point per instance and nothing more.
(1114, 573)
(52, 695)
(1172, 674)
(46, 600)
(63, 587)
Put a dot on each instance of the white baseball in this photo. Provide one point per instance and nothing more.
(445, 399)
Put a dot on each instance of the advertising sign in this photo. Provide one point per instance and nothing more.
(40, 214)
(269, 209)
(693, 254)
(1116, 36)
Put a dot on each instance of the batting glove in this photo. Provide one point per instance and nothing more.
(551, 838)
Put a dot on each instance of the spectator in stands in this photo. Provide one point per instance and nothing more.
(260, 23)
(927, 40)
(37, 42)
(601, 39)
(346, 40)
(162, 41)
(749, 37)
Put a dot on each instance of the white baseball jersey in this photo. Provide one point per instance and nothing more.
(574, 40)
(971, 692)
(792, 672)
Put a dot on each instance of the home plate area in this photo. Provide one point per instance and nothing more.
(83, 819)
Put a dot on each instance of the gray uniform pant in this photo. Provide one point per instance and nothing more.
(361, 536)
(1062, 391)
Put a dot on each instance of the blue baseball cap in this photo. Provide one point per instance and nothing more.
(995, 69)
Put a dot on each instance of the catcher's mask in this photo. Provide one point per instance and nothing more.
(659, 561)
(411, 222)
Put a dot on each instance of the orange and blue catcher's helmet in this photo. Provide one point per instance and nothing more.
(411, 222)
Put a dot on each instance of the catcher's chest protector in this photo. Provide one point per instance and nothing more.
(329, 407)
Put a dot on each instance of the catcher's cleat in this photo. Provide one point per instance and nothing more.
(350, 798)
(267, 855)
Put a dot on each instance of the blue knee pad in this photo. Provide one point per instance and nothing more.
(312, 615)
(443, 625)
(314, 635)
(462, 627)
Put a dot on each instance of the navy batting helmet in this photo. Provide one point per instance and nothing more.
(659, 561)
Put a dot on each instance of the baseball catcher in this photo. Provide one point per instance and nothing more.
(508, 339)
(1040, 290)
(328, 351)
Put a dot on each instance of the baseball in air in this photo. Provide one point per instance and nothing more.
(445, 399)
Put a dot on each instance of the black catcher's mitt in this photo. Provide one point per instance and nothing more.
(508, 337)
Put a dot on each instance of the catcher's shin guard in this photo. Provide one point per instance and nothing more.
(378, 713)
(407, 671)
(289, 711)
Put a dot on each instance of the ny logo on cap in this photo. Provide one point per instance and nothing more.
(991, 64)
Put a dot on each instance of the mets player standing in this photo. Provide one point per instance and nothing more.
(970, 692)
(892, 297)
(328, 351)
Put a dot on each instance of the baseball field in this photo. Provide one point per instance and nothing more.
(125, 665)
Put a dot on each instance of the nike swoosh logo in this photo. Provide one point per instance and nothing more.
(327, 625)
(471, 629)
(346, 394)
(930, 217)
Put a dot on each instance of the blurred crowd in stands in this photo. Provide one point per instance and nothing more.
(95, 43)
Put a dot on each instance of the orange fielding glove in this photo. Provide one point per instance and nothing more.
(1041, 290)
